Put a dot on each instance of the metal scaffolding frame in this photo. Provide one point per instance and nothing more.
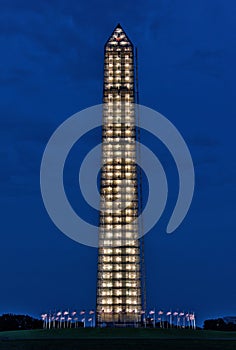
(120, 253)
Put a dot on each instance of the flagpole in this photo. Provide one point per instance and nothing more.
(91, 313)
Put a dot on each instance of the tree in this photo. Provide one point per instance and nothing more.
(10, 322)
(219, 325)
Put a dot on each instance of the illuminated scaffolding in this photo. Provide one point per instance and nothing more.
(119, 297)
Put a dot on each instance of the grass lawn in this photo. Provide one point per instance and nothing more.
(117, 339)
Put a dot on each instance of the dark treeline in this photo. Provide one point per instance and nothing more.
(11, 322)
(219, 324)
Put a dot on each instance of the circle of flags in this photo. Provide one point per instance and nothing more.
(160, 318)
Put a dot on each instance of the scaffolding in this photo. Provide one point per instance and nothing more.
(119, 278)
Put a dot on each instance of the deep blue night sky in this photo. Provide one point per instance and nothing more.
(52, 67)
